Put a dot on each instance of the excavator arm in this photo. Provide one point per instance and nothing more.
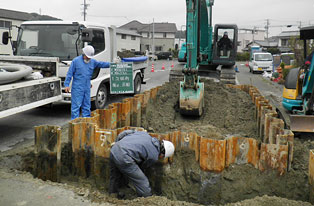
(198, 46)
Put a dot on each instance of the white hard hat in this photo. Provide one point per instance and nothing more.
(89, 51)
(169, 148)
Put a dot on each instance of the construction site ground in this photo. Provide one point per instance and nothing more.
(228, 112)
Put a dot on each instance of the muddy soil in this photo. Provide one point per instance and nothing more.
(227, 112)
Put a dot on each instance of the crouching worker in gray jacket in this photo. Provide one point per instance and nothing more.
(132, 152)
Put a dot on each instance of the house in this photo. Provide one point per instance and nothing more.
(246, 36)
(12, 18)
(283, 40)
(155, 36)
(264, 44)
(128, 40)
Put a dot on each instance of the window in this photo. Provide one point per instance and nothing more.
(5, 24)
(263, 57)
(133, 37)
(165, 35)
(98, 41)
(123, 36)
(158, 48)
(284, 42)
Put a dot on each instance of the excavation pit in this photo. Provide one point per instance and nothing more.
(183, 178)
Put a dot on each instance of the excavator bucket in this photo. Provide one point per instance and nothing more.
(302, 123)
(192, 100)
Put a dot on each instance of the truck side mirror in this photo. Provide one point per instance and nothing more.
(87, 35)
(5, 38)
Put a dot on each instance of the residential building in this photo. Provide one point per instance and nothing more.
(156, 37)
(128, 40)
(264, 44)
(283, 40)
(10, 18)
(246, 36)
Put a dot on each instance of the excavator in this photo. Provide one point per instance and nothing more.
(210, 54)
(298, 93)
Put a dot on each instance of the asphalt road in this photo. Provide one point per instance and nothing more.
(19, 128)
(265, 86)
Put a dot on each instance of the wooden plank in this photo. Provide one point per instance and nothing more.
(274, 156)
(212, 154)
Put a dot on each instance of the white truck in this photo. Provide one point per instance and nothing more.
(64, 41)
(260, 62)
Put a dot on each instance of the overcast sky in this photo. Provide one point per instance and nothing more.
(244, 13)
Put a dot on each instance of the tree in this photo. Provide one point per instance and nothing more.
(273, 51)
(297, 46)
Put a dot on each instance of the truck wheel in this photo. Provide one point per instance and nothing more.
(101, 97)
(137, 84)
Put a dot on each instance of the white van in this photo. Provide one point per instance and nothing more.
(260, 62)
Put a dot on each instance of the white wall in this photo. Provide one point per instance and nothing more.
(128, 43)
(168, 35)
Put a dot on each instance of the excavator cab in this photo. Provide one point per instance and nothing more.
(225, 44)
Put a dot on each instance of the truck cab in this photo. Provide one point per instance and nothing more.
(65, 40)
(260, 62)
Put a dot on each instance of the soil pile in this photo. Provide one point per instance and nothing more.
(227, 111)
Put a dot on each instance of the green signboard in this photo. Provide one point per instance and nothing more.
(121, 78)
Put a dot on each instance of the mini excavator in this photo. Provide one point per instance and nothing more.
(208, 54)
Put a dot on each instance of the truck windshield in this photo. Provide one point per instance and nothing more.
(263, 57)
(49, 41)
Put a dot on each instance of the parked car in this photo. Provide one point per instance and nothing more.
(151, 55)
(164, 55)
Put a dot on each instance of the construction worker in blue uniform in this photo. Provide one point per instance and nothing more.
(132, 152)
(81, 71)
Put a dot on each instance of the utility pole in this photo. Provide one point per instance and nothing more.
(153, 36)
(267, 27)
(85, 6)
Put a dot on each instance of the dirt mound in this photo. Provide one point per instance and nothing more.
(267, 200)
(227, 112)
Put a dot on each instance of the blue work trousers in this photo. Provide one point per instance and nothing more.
(132, 171)
(80, 100)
